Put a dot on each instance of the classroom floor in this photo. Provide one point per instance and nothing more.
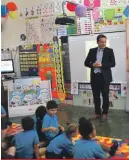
(117, 125)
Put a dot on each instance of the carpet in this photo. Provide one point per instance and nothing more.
(122, 152)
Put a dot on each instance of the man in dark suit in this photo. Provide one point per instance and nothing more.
(101, 60)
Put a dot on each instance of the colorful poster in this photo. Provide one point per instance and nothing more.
(28, 60)
(111, 19)
(85, 92)
(27, 95)
(46, 66)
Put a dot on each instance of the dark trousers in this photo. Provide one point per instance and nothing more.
(99, 86)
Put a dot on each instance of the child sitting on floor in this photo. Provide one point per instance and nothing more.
(50, 125)
(26, 142)
(39, 115)
(62, 145)
(87, 147)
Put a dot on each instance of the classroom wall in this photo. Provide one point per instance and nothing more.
(14, 28)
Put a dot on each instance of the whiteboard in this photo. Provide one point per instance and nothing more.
(79, 47)
(28, 94)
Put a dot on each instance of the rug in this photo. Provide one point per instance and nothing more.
(122, 152)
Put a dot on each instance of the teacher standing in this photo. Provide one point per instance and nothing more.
(101, 60)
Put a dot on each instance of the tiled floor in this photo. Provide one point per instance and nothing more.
(117, 125)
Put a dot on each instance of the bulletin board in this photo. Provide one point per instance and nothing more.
(82, 95)
(27, 95)
(28, 60)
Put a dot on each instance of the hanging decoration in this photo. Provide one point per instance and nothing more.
(46, 66)
(81, 10)
(59, 69)
(13, 14)
(4, 11)
(92, 3)
(71, 6)
(11, 6)
(95, 14)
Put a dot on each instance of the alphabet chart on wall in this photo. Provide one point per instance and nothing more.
(48, 28)
(33, 30)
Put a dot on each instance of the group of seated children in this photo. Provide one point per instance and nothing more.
(44, 127)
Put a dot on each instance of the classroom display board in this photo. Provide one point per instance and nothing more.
(27, 95)
(28, 60)
(79, 47)
(82, 95)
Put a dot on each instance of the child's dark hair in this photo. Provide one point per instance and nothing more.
(72, 128)
(85, 127)
(51, 105)
(27, 123)
(40, 113)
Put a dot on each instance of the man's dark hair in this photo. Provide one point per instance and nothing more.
(100, 36)
(51, 105)
(85, 127)
(27, 123)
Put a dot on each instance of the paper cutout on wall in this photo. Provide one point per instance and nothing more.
(126, 11)
(46, 66)
(109, 14)
(92, 3)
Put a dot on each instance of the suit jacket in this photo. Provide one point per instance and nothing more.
(108, 61)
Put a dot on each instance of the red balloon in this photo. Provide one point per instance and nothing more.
(11, 6)
(71, 7)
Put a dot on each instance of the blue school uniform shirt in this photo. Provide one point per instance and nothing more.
(3, 110)
(88, 149)
(50, 121)
(61, 143)
(24, 143)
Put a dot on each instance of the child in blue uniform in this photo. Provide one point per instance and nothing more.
(26, 142)
(62, 145)
(87, 147)
(50, 125)
(38, 118)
